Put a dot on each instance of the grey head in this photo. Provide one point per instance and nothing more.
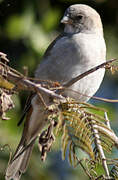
(82, 18)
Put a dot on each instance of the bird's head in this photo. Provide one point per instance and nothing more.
(81, 18)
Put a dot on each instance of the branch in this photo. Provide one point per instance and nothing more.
(74, 80)
(22, 82)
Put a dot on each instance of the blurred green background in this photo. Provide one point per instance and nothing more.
(26, 29)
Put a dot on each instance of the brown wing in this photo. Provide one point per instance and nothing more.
(26, 108)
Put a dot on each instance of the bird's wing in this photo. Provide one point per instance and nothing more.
(63, 54)
(26, 108)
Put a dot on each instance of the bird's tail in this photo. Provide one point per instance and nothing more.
(32, 127)
(19, 162)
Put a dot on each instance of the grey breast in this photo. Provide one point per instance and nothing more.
(72, 55)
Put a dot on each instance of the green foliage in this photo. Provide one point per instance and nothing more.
(79, 127)
(53, 16)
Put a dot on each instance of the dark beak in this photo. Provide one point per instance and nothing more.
(66, 20)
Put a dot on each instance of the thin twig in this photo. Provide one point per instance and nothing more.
(93, 97)
(42, 100)
(74, 80)
(42, 89)
(84, 169)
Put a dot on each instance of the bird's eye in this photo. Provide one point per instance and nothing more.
(79, 17)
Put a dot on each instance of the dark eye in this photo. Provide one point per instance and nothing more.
(79, 17)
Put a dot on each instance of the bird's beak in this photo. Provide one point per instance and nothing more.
(66, 20)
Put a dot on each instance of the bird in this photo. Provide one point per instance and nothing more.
(80, 47)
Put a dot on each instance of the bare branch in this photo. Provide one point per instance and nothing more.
(23, 83)
(74, 80)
